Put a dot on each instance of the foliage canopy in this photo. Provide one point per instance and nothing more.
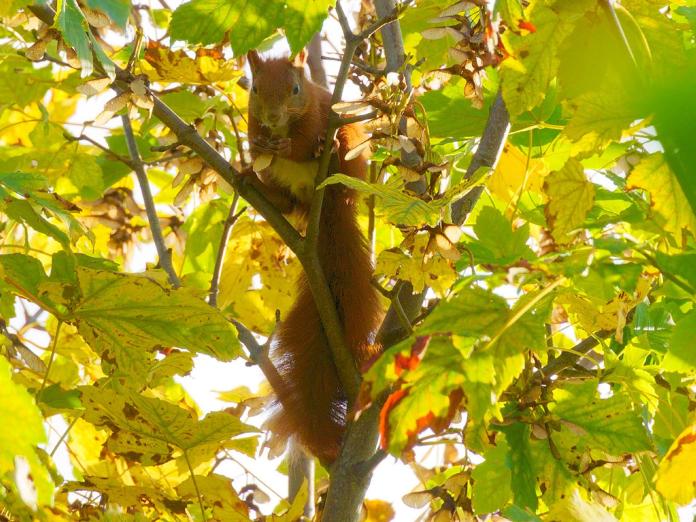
(553, 354)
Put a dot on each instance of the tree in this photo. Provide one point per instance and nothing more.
(532, 205)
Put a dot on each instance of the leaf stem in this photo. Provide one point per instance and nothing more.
(195, 485)
(50, 360)
(64, 435)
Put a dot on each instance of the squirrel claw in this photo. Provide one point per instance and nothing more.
(278, 146)
(321, 143)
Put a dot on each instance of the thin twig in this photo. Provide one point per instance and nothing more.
(369, 69)
(108, 151)
(232, 218)
(157, 236)
(358, 118)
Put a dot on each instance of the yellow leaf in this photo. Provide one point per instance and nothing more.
(209, 66)
(577, 509)
(378, 511)
(422, 268)
(514, 174)
(258, 276)
(593, 315)
(294, 512)
(675, 474)
(571, 197)
(670, 208)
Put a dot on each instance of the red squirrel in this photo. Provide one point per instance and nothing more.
(288, 119)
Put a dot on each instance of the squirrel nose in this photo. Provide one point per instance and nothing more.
(273, 117)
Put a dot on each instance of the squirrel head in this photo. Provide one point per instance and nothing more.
(278, 94)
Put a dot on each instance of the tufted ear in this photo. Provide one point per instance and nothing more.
(254, 60)
(300, 58)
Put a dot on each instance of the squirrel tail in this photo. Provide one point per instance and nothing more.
(312, 403)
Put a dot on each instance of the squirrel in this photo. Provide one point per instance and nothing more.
(288, 119)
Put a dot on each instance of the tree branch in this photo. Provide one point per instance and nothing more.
(152, 217)
(348, 373)
(352, 472)
(316, 68)
(487, 153)
(571, 357)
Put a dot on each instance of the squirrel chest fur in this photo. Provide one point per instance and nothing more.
(288, 118)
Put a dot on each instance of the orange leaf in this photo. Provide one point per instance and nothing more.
(403, 362)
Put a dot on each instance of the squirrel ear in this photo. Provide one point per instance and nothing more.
(254, 60)
(300, 58)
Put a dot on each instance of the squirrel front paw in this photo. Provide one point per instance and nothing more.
(276, 146)
(321, 142)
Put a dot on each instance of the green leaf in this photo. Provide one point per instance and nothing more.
(680, 265)
(176, 363)
(205, 222)
(128, 496)
(611, 424)
(123, 315)
(669, 205)
(72, 24)
(472, 311)
(498, 243)
(399, 207)
(116, 9)
(24, 274)
(23, 182)
(429, 401)
(526, 75)
(492, 490)
(304, 18)
(85, 173)
(511, 12)
(596, 50)
(480, 314)
(249, 22)
(681, 355)
(108, 65)
(20, 210)
(522, 465)
(571, 197)
(451, 115)
(57, 397)
(187, 105)
(26, 432)
(153, 425)
(20, 82)
(599, 119)
(33, 200)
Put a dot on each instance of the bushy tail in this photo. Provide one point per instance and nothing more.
(312, 404)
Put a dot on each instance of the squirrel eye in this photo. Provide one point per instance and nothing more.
(296, 89)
